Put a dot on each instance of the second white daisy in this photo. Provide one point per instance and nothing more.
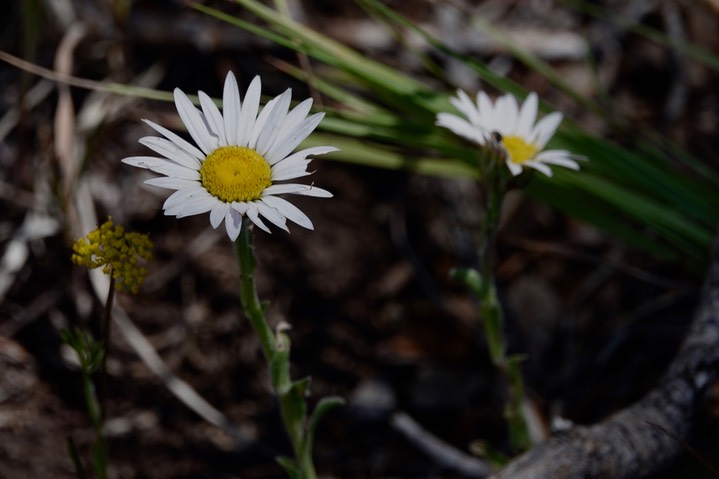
(513, 127)
(239, 158)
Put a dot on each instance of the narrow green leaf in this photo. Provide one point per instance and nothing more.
(76, 461)
(290, 467)
(324, 405)
(367, 154)
(470, 277)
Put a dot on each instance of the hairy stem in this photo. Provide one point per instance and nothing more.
(276, 352)
(491, 309)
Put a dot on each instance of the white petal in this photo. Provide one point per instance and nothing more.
(182, 198)
(231, 108)
(285, 170)
(293, 138)
(505, 115)
(292, 120)
(296, 189)
(143, 161)
(464, 104)
(545, 128)
(292, 175)
(253, 215)
(527, 115)
(541, 167)
(176, 171)
(297, 162)
(295, 116)
(511, 112)
(302, 154)
(557, 157)
(514, 168)
(261, 121)
(565, 162)
(249, 111)
(171, 183)
(461, 127)
(213, 117)
(170, 151)
(193, 121)
(233, 224)
(290, 211)
(240, 206)
(272, 214)
(485, 109)
(218, 213)
(176, 201)
(198, 206)
(185, 145)
(178, 206)
(163, 166)
(271, 129)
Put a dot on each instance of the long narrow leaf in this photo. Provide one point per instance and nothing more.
(390, 124)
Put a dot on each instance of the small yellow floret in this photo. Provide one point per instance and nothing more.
(235, 173)
(518, 149)
(117, 252)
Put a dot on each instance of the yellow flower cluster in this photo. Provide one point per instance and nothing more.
(117, 252)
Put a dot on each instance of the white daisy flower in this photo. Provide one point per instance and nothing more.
(240, 158)
(513, 127)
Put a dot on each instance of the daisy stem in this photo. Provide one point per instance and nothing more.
(490, 309)
(248, 292)
(276, 349)
(492, 314)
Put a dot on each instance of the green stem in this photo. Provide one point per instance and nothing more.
(99, 449)
(518, 432)
(96, 399)
(106, 321)
(93, 406)
(248, 292)
(76, 461)
(276, 352)
(105, 332)
(491, 309)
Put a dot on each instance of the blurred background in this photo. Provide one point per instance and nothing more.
(375, 318)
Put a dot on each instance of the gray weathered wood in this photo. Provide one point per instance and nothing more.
(648, 435)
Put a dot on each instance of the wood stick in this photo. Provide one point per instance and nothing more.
(647, 436)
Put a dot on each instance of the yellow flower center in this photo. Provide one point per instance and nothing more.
(235, 173)
(518, 150)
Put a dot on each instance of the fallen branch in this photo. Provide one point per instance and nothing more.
(647, 436)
